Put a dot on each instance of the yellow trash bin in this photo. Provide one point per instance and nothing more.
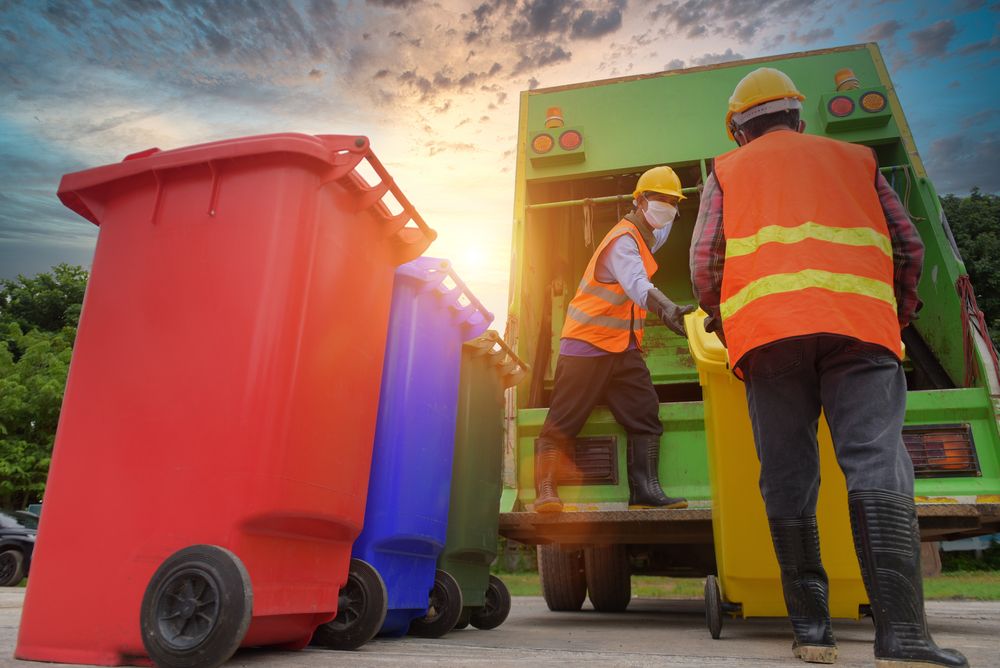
(749, 582)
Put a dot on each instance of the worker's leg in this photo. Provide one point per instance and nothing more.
(579, 385)
(632, 399)
(783, 398)
(864, 395)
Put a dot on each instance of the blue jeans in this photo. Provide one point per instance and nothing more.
(861, 388)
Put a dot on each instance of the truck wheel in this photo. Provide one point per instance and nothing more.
(564, 584)
(609, 579)
(444, 608)
(496, 606)
(361, 610)
(196, 608)
(11, 568)
(713, 606)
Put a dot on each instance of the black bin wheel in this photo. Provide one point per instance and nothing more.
(360, 612)
(444, 608)
(496, 606)
(713, 606)
(11, 568)
(196, 609)
(564, 580)
(463, 619)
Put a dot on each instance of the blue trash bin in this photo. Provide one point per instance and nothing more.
(406, 517)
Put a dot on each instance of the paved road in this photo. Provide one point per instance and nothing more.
(651, 633)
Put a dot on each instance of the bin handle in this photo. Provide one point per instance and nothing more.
(442, 270)
(348, 152)
(513, 367)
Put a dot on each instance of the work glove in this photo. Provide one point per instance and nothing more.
(670, 313)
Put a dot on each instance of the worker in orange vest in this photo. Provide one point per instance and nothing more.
(807, 265)
(600, 352)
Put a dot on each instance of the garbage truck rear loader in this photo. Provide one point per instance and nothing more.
(581, 149)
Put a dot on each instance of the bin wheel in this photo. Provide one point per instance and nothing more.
(463, 620)
(496, 606)
(609, 581)
(196, 608)
(361, 609)
(444, 608)
(564, 583)
(11, 568)
(713, 606)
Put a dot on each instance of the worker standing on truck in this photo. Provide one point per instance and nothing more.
(807, 265)
(600, 357)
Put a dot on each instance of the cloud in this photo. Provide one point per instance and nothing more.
(539, 55)
(715, 58)
(933, 41)
(738, 19)
(979, 118)
(815, 35)
(675, 64)
(961, 161)
(591, 24)
(882, 31)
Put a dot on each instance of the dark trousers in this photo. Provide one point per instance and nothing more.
(619, 380)
(861, 389)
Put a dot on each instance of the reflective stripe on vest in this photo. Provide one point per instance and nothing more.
(602, 314)
(807, 246)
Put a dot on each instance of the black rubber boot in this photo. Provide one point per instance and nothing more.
(546, 478)
(806, 587)
(887, 540)
(644, 488)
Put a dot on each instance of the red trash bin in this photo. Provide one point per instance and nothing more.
(233, 328)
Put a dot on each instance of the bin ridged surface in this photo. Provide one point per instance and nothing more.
(489, 367)
(406, 517)
(748, 569)
(234, 321)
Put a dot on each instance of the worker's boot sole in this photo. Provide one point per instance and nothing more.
(671, 506)
(548, 507)
(816, 653)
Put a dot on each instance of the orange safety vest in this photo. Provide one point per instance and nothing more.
(807, 245)
(601, 313)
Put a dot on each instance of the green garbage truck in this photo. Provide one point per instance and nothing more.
(580, 151)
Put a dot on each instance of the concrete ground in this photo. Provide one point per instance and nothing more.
(651, 633)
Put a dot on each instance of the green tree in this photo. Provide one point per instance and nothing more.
(38, 318)
(975, 222)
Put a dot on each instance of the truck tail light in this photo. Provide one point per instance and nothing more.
(941, 451)
(542, 143)
(841, 106)
(873, 102)
(570, 140)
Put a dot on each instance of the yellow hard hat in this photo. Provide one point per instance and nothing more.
(660, 180)
(765, 84)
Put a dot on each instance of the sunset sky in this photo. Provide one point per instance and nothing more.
(433, 84)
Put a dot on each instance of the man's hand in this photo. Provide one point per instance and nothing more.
(670, 313)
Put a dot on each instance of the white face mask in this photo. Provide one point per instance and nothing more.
(659, 214)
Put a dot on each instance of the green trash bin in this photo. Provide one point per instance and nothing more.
(489, 367)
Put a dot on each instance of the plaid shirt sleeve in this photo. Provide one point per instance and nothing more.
(708, 254)
(907, 252)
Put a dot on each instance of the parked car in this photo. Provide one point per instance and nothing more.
(17, 542)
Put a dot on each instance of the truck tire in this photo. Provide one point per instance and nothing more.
(609, 580)
(564, 584)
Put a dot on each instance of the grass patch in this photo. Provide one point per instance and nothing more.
(527, 584)
(976, 586)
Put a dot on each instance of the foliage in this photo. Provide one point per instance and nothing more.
(988, 560)
(975, 222)
(38, 319)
